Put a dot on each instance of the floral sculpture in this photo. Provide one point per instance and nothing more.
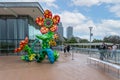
(48, 27)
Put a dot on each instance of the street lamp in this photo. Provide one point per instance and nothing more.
(90, 39)
(90, 33)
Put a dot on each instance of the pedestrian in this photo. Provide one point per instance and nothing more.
(114, 48)
(65, 48)
(103, 50)
(68, 48)
(109, 51)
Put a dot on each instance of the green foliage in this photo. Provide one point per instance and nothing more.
(45, 39)
(97, 40)
(72, 40)
(83, 41)
(112, 39)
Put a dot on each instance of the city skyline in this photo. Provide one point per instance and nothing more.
(103, 16)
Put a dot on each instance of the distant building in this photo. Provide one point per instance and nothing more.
(69, 32)
(60, 29)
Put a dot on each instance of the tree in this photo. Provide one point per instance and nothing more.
(72, 40)
(97, 40)
(112, 39)
(83, 41)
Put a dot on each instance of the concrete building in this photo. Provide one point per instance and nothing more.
(15, 20)
(69, 32)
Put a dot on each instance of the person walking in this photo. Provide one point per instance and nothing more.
(68, 49)
(103, 50)
(114, 48)
(65, 48)
(109, 52)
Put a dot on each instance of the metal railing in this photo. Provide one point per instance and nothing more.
(105, 55)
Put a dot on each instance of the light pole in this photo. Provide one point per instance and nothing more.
(90, 39)
(90, 33)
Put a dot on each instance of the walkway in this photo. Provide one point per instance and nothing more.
(12, 68)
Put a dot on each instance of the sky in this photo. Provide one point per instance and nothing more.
(102, 15)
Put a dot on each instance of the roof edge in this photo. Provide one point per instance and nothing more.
(21, 4)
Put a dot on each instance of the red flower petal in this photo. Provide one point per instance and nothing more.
(44, 30)
(56, 19)
(53, 28)
(47, 14)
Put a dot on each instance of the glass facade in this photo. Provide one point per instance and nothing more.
(12, 31)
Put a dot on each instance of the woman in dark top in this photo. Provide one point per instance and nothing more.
(68, 48)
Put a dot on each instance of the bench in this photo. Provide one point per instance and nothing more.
(105, 63)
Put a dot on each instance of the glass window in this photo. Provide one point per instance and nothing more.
(11, 29)
(0, 46)
(22, 28)
(3, 28)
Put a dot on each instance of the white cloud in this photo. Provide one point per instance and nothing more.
(115, 9)
(106, 28)
(82, 30)
(79, 22)
(72, 18)
(49, 3)
(81, 25)
(87, 3)
(110, 1)
(90, 3)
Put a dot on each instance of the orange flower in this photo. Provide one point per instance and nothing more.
(48, 22)
(47, 14)
(54, 28)
(40, 21)
(56, 19)
(22, 45)
(44, 30)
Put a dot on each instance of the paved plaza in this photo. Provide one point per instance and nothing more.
(13, 68)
